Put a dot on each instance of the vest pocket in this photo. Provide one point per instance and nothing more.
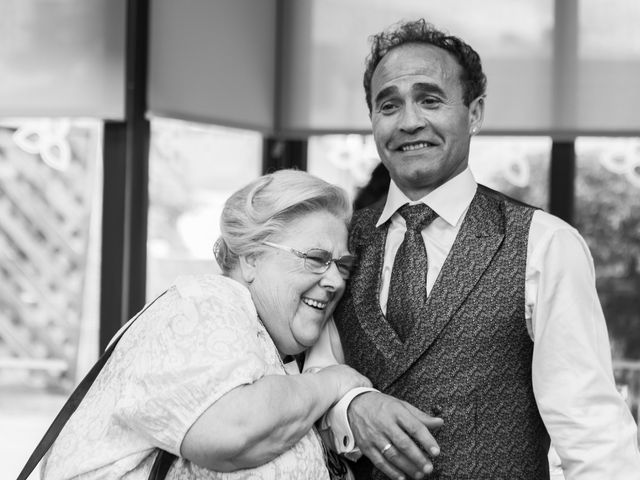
(457, 438)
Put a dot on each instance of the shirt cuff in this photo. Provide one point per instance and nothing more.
(337, 421)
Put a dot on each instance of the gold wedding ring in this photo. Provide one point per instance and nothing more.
(385, 448)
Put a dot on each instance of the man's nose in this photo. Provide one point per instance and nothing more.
(413, 118)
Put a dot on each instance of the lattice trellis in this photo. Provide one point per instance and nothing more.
(45, 212)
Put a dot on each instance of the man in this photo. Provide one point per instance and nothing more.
(504, 339)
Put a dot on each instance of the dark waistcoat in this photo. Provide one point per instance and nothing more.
(468, 360)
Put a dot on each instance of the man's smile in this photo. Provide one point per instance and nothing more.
(409, 147)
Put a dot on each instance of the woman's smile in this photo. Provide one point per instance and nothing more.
(316, 304)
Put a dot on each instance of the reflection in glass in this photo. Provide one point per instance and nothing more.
(50, 235)
(515, 166)
(344, 160)
(49, 239)
(608, 216)
(193, 168)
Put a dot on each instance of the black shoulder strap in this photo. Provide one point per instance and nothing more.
(161, 465)
(72, 404)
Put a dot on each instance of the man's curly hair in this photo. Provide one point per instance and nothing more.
(473, 79)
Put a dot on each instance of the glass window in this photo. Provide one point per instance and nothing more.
(50, 235)
(325, 57)
(193, 168)
(544, 72)
(608, 61)
(63, 58)
(608, 216)
(515, 166)
(345, 160)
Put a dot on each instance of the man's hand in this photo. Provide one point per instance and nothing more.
(378, 420)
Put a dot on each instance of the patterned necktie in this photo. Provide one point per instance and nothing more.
(408, 286)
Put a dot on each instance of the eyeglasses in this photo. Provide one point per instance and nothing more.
(317, 260)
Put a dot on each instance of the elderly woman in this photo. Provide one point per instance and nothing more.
(202, 372)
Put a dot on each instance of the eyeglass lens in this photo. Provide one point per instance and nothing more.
(318, 261)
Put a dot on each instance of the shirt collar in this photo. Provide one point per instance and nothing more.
(449, 200)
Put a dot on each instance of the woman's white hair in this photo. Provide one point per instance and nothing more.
(267, 206)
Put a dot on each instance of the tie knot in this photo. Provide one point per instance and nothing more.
(417, 216)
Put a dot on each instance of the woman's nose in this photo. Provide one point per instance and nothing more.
(332, 279)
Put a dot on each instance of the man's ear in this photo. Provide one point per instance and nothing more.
(248, 267)
(476, 115)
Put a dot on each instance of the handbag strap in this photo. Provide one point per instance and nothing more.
(163, 460)
(161, 465)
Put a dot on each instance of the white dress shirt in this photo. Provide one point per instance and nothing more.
(589, 423)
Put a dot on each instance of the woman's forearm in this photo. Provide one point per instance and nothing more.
(255, 423)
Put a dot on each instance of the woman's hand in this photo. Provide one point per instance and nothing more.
(343, 378)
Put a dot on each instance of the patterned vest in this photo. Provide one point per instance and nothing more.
(469, 358)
